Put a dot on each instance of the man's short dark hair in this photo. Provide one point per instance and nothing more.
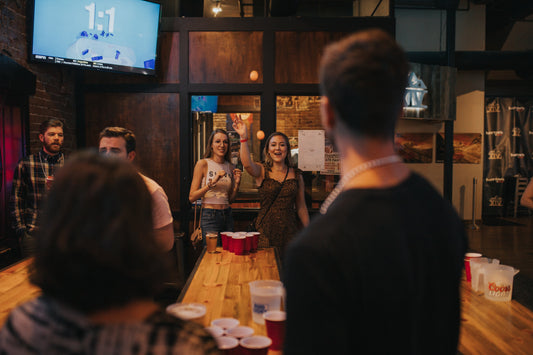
(95, 248)
(364, 77)
(51, 122)
(125, 133)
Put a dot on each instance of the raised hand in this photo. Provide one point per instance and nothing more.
(240, 127)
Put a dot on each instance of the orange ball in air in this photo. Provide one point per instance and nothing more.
(254, 75)
(260, 135)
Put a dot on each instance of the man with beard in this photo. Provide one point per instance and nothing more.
(32, 178)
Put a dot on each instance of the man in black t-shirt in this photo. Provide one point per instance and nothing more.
(379, 270)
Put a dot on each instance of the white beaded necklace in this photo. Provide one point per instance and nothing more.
(391, 159)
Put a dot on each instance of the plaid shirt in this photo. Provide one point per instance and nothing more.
(29, 187)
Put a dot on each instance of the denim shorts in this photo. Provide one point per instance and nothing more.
(216, 221)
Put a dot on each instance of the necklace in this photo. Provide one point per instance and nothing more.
(371, 164)
(42, 165)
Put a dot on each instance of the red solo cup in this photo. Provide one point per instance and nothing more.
(238, 244)
(248, 243)
(224, 236)
(255, 345)
(469, 256)
(275, 326)
(215, 331)
(255, 241)
(230, 242)
(228, 345)
(240, 332)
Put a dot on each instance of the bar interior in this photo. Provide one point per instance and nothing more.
(174, 71)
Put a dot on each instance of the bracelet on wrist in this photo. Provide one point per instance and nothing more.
(244, 140)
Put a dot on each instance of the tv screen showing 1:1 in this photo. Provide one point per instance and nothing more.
(115, 35)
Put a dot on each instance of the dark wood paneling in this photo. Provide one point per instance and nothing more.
(225, 57)
(154, 120)
(298, 55)
(169, 57)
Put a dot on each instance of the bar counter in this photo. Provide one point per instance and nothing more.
(220, 281)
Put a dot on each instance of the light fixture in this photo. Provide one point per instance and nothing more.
(217, 7)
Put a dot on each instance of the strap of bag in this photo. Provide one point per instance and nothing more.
(200, 219)
(275, 198)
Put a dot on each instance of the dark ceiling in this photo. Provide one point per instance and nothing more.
(501, 15)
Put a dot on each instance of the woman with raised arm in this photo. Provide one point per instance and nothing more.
(281, 189)
(216, 181)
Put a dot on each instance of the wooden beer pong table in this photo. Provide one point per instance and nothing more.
(220, 282)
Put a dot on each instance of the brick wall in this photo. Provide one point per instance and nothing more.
(295, 113)
(54, 95)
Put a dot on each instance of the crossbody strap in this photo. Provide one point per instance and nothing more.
(275, 198)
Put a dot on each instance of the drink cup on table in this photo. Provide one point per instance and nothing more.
(240, 332)
(238, 244)
(275, 326)
(266, 295)
(469, 256)
(249, 243)
(255, 345)
(228, 345)
(187, 311)
(255, 241)
(215, 331)
(211, 239)
(224, 236)
(225, 323)
(477, 273)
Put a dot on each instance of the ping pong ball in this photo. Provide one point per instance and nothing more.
(254, 75)
(260, 135)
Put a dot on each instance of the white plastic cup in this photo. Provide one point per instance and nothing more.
(187, 311)
(215, 331)
(240, 332)
(225, 323)
(266, 295)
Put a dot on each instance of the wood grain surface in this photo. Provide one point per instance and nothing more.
(220, 282)
(15, 288)
(490, 327)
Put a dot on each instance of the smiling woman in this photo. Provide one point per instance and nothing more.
(215, 181)
(281, 189)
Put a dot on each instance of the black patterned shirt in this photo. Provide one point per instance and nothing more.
(44, 326)
(29, 187)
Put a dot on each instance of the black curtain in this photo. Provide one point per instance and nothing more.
(508, 151)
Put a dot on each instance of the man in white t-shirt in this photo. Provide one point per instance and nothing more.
(120, 142)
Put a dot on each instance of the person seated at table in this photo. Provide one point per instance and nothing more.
(281, 189)
(98, 266)
(216, 181)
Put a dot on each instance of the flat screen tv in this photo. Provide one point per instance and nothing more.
(109, 35)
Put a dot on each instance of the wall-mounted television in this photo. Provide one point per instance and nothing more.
(109, 35)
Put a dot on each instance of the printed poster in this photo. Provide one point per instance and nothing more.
(311, 146)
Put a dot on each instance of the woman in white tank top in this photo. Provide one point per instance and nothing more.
(216, 181)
